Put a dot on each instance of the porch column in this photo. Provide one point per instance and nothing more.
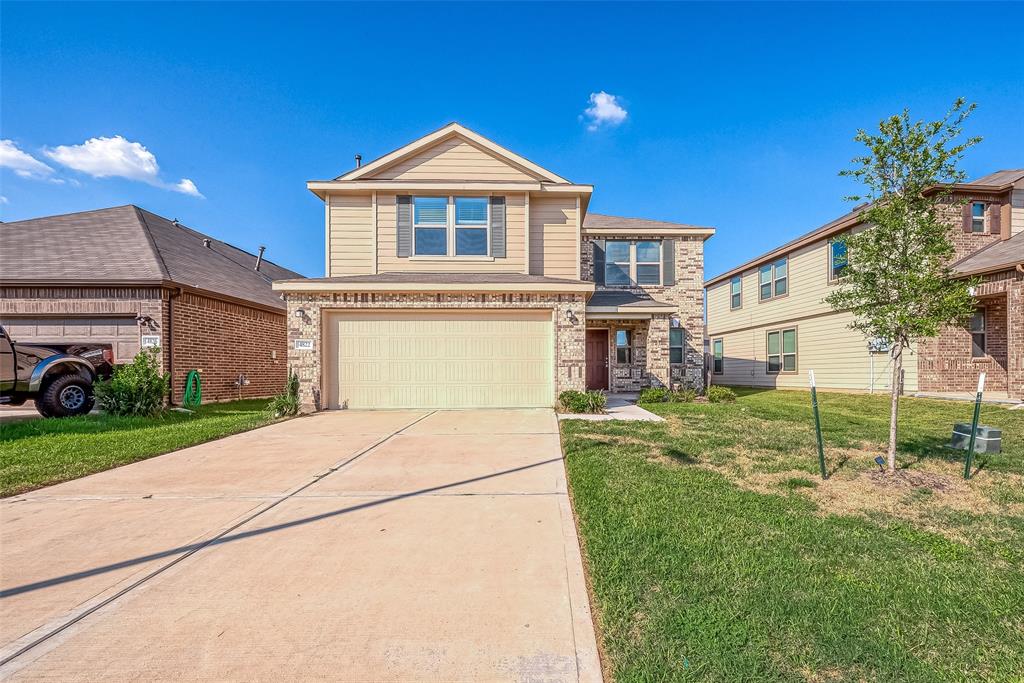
(1015, 336)
(657, 352)
(304, 323)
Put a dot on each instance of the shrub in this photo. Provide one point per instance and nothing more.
(582, 401)
(684, 396)
(137, 388)
(288, 402)
(721, 395)
(654, 395)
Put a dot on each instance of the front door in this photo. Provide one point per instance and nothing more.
(597, 359)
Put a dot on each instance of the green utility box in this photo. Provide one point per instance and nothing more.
(989, 439)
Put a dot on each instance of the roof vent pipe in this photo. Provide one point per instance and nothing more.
(206, 242)
(359, 160)
(259, 258)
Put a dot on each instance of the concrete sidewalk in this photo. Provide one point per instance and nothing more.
(344, 546)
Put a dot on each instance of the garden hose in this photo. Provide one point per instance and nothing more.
(193, 390)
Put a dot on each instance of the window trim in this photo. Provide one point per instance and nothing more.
(681, 345)
(983, 218)
(832, 277)
(782, 354)
(633, 262)
(983, 310)
(628, 348)
(451, 228)
(774, 279)
(718, 363)
(736, 279)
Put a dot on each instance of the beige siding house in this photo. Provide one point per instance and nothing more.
(460, 275)
(768, 323)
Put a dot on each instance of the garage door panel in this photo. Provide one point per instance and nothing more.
(440, 359)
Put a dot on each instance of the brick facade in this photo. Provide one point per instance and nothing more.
(569, 330)
(650, 364)
(222, 339)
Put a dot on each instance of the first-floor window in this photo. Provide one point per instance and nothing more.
(623, 346)
(676, 335)
(977, 328)
(782, 351)
(717, 356)
(430, 225)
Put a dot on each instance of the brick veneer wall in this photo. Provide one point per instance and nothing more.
(224, 340)
(967, 243)
(569, 336)
(650, 365)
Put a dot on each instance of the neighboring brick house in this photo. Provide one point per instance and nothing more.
(768, 322)
(130, 278)
(460, 274)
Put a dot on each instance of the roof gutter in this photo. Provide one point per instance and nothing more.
(314, 286)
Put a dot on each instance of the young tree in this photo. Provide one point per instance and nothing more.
(897, 281)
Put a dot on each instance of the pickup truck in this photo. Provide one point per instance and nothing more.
(58, 377)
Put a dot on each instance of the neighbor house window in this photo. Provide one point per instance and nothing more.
(676, 335)
(430, 225)
(736, 292)
(623, 346)
(717, 356)
(627, 263)
(838, 259)
(977, 327)
(471, 226)
(978, 217)
(782, 351)
(773, 279)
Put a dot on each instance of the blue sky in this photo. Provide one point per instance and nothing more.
(737, 116)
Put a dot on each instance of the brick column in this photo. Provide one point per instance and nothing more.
(570, 343)
(306, 363)
(1015, 336)
(657, 351)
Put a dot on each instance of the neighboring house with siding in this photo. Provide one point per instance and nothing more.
(768, 322)
(460, 274)
(125, 277)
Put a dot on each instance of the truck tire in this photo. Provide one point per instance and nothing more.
(66, 396)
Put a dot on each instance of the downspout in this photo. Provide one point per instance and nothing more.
(174, 294)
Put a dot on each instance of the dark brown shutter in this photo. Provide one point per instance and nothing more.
(994, 219)
(967, 217)
(404, 237)
(598, 258)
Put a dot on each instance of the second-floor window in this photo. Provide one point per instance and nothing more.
(773, 279)
(632, 263)
(838, 260)
(445, 226)
(736, 292)
(978, 217)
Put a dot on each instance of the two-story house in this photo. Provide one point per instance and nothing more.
(768, 322)
(462, 275)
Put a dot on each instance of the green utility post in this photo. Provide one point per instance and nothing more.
(817, 427)
(974, 427)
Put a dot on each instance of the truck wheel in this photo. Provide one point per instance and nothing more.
(66, 396)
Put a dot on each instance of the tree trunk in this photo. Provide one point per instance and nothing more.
(894, 408)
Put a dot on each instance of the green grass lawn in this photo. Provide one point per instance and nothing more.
(715, 551)
(36, 453)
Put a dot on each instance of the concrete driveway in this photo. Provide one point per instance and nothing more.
(344, 546)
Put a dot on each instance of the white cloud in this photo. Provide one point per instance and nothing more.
(117, 157)
(604, 110)
(4, 200)
(22, 163)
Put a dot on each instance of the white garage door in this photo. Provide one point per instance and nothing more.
(439, 359)
(122, 333)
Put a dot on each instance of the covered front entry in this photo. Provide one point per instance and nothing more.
(438, 359)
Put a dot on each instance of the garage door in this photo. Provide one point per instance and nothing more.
(121, 333)
(437, 359)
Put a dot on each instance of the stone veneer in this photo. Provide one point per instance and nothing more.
(569, 336)
(650, 366)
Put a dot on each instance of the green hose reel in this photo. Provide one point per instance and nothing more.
(193, 390)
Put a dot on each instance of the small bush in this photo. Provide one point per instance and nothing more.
(721, 395)
(287, 403)
(582, 401)
(684, 396)
(654, 395)
(137, 388)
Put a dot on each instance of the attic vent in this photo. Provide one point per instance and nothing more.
(359, 160)
(259, 259)
(206, 242)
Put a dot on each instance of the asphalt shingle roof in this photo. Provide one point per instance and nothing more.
(126, 244)
(600, 220)
(1001, 255)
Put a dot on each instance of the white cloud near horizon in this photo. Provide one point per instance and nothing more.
(22, 163)
(117, 157)
(604, 110)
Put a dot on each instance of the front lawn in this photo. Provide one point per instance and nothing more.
(40, 452)
(715, 551)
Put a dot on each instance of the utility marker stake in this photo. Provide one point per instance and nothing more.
(974, 427)
(817, 426)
